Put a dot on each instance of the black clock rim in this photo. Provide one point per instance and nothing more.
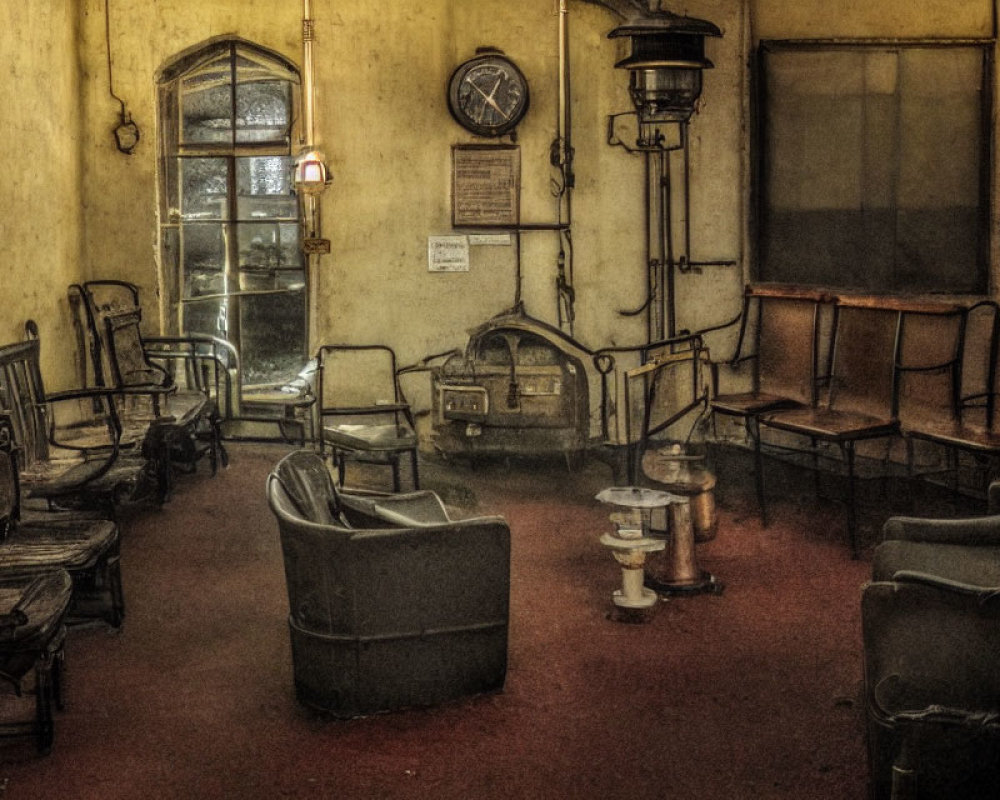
(485, 130)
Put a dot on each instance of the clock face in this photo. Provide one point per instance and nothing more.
(488, 95)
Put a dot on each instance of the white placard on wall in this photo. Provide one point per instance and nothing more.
(448, 253)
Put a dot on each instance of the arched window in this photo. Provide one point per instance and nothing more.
(231, 260)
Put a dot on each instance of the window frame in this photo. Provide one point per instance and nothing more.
(759, 148)
(174, 148)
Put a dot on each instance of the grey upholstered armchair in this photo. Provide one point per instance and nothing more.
(931, 627)
(392, 603)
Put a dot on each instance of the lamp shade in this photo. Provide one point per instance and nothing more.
(665, 64)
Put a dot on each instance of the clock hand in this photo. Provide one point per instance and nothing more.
(489, 98)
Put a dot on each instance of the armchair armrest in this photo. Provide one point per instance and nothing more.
(965, 531)
(993, 498)
(983, 594)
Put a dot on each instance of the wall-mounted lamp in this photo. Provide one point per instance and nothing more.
(311, 174)
(126, 133)
(665, 65)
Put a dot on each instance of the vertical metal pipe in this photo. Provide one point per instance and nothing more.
(308, 95)
(310, 205)
(651, 288)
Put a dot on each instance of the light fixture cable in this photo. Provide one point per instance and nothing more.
(127, 132)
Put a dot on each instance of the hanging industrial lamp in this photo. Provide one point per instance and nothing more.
(665, 64)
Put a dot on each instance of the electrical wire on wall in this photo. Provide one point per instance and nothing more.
(561, 157)
(126, 132)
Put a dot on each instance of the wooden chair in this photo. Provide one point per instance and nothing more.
(362, 412)
(859, 400)
(32, 632)
(85, 546)
(967, 420)
(779, 337)
(184, 421)
(69, 442)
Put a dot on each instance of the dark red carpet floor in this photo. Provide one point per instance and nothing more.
(750, 694)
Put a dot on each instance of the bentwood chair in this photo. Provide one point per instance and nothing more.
(362, 412)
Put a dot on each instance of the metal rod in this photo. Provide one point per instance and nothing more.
(667, 264)
(308, 95)
(650, 280)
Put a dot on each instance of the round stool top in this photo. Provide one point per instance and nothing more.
(637, 497)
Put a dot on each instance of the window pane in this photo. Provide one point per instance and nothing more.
(274, 344)
(264, 188)
(204, 188)
(204, 259)
(269, 246)
(262, 111)
(206, 316)
(207, 103)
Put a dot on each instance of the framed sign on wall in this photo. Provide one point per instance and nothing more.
(485, 186)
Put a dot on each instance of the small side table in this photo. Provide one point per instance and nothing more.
(630, 543)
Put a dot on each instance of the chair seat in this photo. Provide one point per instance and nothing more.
(370, 437)
(43, 600)
(830, 424)
(55, 479)
(956, 434)
(38, 546)
(749, 404)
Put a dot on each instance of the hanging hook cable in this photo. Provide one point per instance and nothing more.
(127, 132)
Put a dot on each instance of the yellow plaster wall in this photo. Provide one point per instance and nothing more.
(381, 72)
(40, 212)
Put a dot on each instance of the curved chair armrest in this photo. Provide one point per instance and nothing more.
(414, 509)
(966, 530)
(993, 498)
(983, 594)
(57, 434)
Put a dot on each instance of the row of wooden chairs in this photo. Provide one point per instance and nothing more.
(67, 461)
(839, 370)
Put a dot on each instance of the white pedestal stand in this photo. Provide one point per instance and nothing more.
(630, 544)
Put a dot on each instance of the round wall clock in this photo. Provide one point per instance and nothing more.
(488, 94)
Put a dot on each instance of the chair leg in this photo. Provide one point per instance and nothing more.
(416, 473)
(44, 724)
(396, 484)
(852, 517)
(753, 428)
(904, 776)
(117, 593)
(58, 668)
(814, 452)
